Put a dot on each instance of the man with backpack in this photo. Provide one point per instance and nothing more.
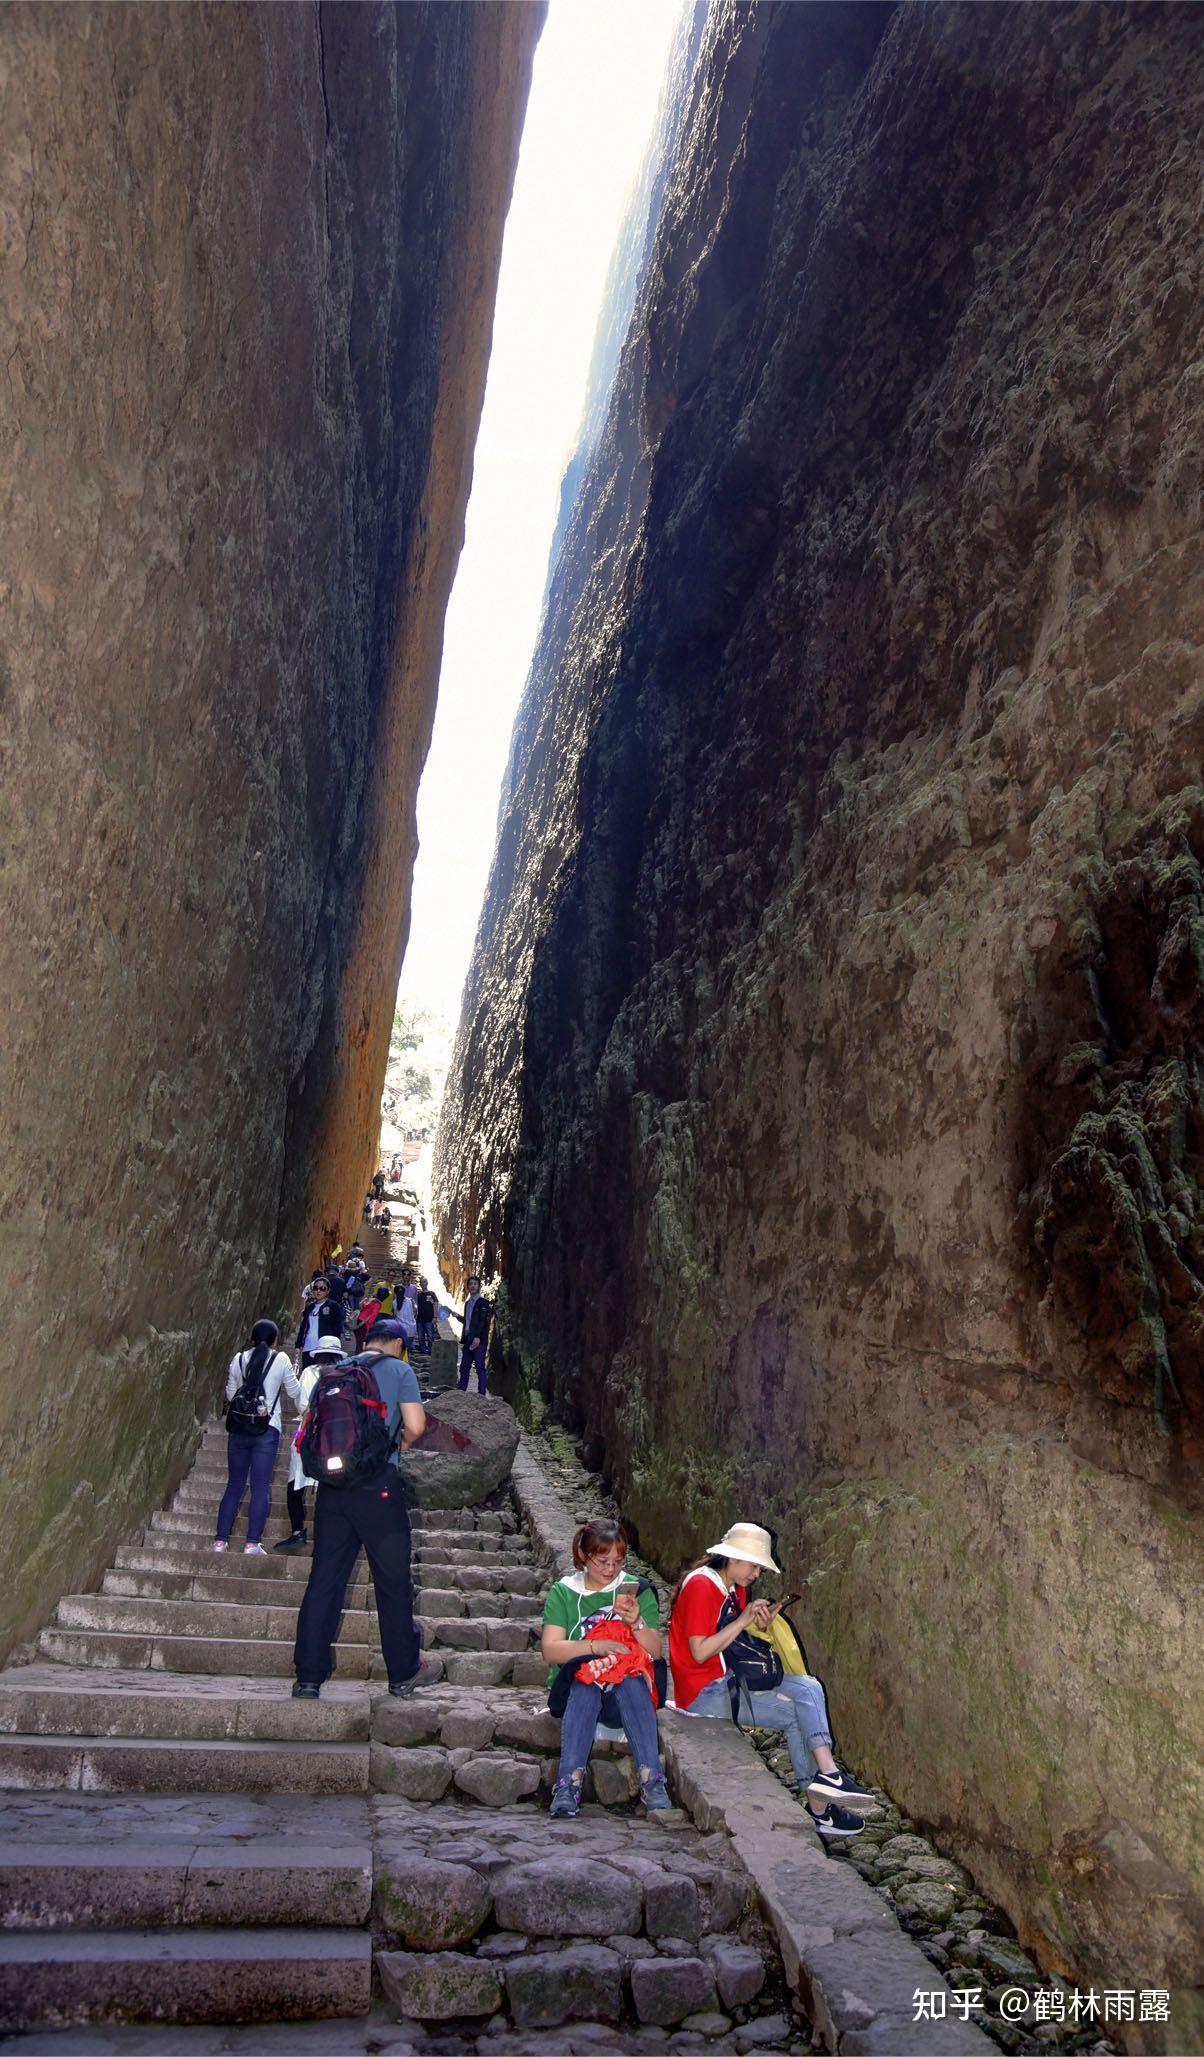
(358, 1413)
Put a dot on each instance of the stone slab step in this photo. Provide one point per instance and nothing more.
(221, 1656)
(174, 1554)
(456, 1542)
(116, 1614)
(126, 1764)
(248, 1592)
(157, 1552)
(211, 1656)
(433, 1601)
(162, 1882)
(57, 1978)
(53, 1699)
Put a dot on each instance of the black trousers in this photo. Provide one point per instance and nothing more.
(374, 1515)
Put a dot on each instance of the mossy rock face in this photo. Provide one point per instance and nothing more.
(431, 1906)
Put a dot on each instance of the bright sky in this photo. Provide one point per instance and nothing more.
(597, 77)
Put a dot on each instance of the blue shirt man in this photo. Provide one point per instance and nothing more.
(372, 1516)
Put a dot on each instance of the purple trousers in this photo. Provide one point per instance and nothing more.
(472, 1357)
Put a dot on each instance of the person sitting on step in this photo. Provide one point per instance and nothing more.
(710, 1609)
(601, 1590)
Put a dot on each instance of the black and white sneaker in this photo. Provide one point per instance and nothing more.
(840, 1785)
(836, 1821)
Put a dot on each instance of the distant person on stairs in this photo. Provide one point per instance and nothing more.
(253, 1384)
(474, 1336)
(328, 1351)
(370, 1511)
(425, 1309)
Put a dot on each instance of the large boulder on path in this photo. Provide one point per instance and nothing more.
(466, 1453)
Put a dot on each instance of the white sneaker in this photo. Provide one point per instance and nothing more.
(254, 1550)
(221, 1546)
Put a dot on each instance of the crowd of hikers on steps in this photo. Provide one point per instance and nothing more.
(730, 1656)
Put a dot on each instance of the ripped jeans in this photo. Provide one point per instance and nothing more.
(631, 1700)
(797, 1707)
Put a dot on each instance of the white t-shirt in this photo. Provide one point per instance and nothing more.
(279, 1373)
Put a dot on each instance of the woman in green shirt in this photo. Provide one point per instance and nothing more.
(601, 1589)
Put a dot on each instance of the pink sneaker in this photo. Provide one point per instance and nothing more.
(254, 1550)
(221, 1546)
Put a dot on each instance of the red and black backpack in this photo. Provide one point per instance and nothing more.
(344, 1439)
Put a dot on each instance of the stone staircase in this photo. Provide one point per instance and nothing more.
(182, 1842)
(170, 1604)
(200, 1844)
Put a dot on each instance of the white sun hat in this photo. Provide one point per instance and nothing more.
(744, 1539)
(328, 1346)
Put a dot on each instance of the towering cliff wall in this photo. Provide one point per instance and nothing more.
(250, 257)
(829, 1089)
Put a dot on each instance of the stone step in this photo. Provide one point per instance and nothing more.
(173, 1552)
(223, 1656)
(118, 1614)
(178, 1554)
(56, 1978)
(128, 1764)
(168, 1882)
(251, 1592)
(210, 1656)
(53, 1700)
(199, 1526)
(432, 1600)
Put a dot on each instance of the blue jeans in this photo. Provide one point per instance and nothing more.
(472, 1356)
(797, 1707)
(252, 1457)
(426, 1337)
(632, 1702)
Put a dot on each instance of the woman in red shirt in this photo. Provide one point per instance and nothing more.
(797, 1706)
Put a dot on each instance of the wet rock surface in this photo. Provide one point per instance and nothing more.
(828, 1091)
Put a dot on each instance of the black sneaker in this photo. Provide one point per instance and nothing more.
(429, 1673)
(294, 1542)
(840, 1785)
(836, 1821)
(305, 1689)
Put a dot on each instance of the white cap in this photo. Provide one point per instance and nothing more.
(328, 1346)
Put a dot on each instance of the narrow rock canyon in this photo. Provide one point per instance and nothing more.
(828, 1092)
(250, 259)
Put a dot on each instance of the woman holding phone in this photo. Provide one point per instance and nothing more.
(715, 1591)
(598, 1591)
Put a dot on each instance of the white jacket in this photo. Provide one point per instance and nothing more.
(279, 1373)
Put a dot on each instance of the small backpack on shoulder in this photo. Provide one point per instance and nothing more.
(247, 1414)
(753, 1664)
(344, 1439)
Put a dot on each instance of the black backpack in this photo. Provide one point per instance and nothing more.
(248, 1414)
(753, 1665)
(345, 1439)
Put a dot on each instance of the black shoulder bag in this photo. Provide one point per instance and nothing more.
(753, 1665)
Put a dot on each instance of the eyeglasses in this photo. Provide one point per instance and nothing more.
(321, 1289)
